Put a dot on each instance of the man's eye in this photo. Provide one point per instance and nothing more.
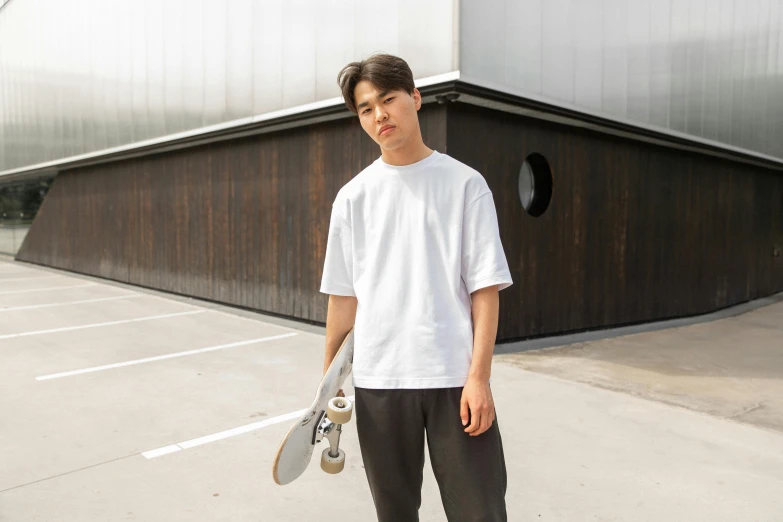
(389, 99)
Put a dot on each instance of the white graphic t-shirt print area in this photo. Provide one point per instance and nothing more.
(412, 243)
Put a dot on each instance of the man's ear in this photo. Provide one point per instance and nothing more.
(417, 98)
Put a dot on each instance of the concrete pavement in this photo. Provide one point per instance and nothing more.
(731, 368)
(151, 371)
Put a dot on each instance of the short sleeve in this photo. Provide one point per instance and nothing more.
(337, 277)
(483, 259)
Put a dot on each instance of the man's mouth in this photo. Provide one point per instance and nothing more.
(386, 130)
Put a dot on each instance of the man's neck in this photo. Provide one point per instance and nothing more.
(403, 156)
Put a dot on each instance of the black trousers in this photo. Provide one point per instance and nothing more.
(470, 471)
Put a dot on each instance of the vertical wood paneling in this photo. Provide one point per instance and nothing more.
(634, 232)
(242, 222)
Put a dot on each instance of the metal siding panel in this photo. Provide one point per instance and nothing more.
(695, 68)
(4, 84)
(482, 45)
(123, 105)
(193, 65)
(743, 14)
(268, 57)
(725, 77)
(588, 79)
(78, 73)
(298, 53)
(760, 127)
(156, 105)
(775, 128)
(638, 100)
(425, 35)
(523, 64)
(171, 50)
(239, 59)
(708, 68)
(27, 81)
(34, 73)
(367, 37)
(660, 63)
(615, 64)
(138, 116)
(557, 63)
(712, 71)
(678, 116)
(214, 31)
(735, 68)
(97, 77)
(103, 74)
(67, 88)
(334, 44)
(110, 74)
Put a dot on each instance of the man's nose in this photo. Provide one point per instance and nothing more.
(380, 114)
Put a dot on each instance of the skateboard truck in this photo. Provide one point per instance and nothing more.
(331, 432)
(333, 458)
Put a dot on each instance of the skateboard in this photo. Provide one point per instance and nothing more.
(324, 419)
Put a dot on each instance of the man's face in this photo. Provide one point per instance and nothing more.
(389, 117)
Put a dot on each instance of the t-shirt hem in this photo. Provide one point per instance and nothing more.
(409, 383)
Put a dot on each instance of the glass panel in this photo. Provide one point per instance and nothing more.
(19, 203)
(527, 185)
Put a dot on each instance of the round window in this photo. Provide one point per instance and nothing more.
(535, 184)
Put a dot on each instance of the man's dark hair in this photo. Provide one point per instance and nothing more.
(384, 71)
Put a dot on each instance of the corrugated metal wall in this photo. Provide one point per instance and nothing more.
(85, 75)
(709, 68)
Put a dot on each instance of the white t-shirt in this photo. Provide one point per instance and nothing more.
(412, 243)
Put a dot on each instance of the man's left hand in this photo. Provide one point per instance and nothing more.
(477, 399)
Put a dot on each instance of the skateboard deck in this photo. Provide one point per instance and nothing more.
(297, 447)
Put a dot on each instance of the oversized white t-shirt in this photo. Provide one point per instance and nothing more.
(412, 243)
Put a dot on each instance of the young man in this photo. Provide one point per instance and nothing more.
(414, 263)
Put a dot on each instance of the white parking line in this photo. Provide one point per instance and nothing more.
(225, 434)
(31, 307)
(29, 279)
(45, 289)
(69, 328)
(161, 357)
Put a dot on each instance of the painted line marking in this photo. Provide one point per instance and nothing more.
(45, 289)
(192, 443)
(30, 279)
(69, 328)
(161, 357)
(31, 307)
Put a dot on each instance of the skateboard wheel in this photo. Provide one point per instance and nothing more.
(339, 410)
(331, 464)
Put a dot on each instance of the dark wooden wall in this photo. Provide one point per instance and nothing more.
(242, 222)
(634, 232)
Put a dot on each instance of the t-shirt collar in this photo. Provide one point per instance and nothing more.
(411, 166)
